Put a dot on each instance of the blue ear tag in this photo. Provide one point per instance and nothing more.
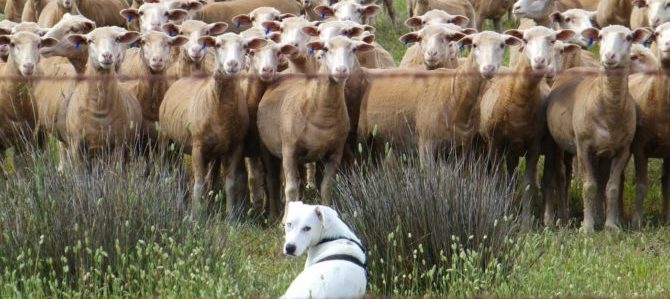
(130, 18)
(238, 24)
(310, 51)
(461, 47)
(646, 43)
(405, 42)
(267, 31)
(590, 41)
(132, 45)
(323, 15)
(77, 45)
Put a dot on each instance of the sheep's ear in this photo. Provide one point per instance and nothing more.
(171, 29)
(130, 14)
(591, 33)
(48, 42)
(271, 25)
(256, 43)
(242, 20)
(640, 3)
(515, 32)
(216, 28)
(414, 22)
(177, 14)
(411, 37)
(77, 39)
(324, 11)
(311, 30)
(592, 15)
(178, 41)
(366, 2)
(274, 36)
(207, 41)
(467, 31)
(466, 40)
(370, 38)
(370, 10)
(569, 48)
(353, 31)
(556, 17)
(364, 47)
(5, 40)
(460, 20)
(285, 15)
(128, 37)
(316, 45)
(640, 35)
(288, 49)
(192, 5)
(152, 1)
(652, 36)
(88, 26)
(456, 36)
(513, 41)
(326, 215)
(565, 34)
(369, 28)
(5, 31)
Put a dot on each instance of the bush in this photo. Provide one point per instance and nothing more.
(438, 229)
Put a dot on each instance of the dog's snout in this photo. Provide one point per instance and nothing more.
(290, 249)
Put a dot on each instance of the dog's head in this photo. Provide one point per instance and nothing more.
(304, 226)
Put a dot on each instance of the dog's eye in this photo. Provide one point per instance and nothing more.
(306, 228)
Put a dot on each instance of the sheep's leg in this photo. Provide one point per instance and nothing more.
(63, 157)
(665, 182)
(255, 183)
(511, 163)
(199, 166)
(550, 183)
(234, 184)
(641, 181)
(272, 182)
(427, 152)
(614, 188)
(565, 183)
(530, 180)
(589, 188)
(390, 10)
(497, 24)
(480, 23)
(330, 165)
(291, 175)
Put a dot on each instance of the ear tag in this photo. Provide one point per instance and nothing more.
(77, 45)
(238, 24)
(461, 47)
(590, 42)
(267, 31)
(202, 47)
(310, 51)
(323, 15)
(646, 43)
(132, 45)
(405, 42)
(130, 18)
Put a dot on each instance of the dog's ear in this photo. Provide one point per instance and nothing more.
(326, 215)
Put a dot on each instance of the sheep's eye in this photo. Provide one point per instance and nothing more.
(502, 46)
(306, 228)
(633, 57)
(141, 13)
(567, 20)
(629, 38)
(12, 45)
(553, 41)
(562, 51)
(474, 46)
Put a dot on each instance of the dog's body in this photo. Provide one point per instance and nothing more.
(335, 266)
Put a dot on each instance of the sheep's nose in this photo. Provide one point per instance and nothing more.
(267, 69)
(290, 249)
(232, 63)
(107, 56)
(157, 60)
(431, 53)
(540, 60)
(489, 68)
(29, 66)
(609, 56)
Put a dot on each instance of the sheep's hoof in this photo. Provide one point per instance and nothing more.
(587, 228)
(612, 226)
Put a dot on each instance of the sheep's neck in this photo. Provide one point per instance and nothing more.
(614, 86)
(302, 64)
(624, 6)
(102, 87)
(79, 62)
(151, 92)
(225, 90)
(465, 92)
(19, 102)
(187, 66)
(326, 100)
(255, 90)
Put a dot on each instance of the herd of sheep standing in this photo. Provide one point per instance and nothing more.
(283, 83)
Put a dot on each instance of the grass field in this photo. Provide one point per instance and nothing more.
(119, 233)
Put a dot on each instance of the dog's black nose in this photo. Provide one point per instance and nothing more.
(290, 249)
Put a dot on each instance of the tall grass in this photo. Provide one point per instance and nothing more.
(437, 229)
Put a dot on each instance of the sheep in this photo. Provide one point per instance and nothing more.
(650, 13)
(652, 97)
(454, 7)
(193, 57)
(292, 32)
(434, 49)
(32, 10)
(511, 118)
(432, 113)
(303, 120)
(595, 118)
(13, 10)
(614, 12)
(642, 59)
(5, 28)
(17, 110)
(436, 16)
(493, 10)
(208, 118)
(100, 115)
(225, 11)
(152, 16)
(256, 17)
(153, 60)
(577, 20)
(55, 10)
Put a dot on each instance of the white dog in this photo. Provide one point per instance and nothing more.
(335, 266)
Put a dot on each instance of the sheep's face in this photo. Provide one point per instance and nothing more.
(67, 4)
(105, 45)
(339, 56)
(436, 43)
(348, 11)
(193, 31)
(658, 12)
(291, 33)
(576, 20)
(539, 44)
(662, 35)
(231, 50)
(264, 61)
(259, 15)
(434, 17)
(153, 16)
(5, 28)
(561, 51)
(24, 50)
(488, 48)
(615, 43)
(191, 6)
(304, 226)
(531, 9)
(155, 47)
(642, 59)
(69, 24)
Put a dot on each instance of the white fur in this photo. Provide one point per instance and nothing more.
(305, 227)
(659, 12)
